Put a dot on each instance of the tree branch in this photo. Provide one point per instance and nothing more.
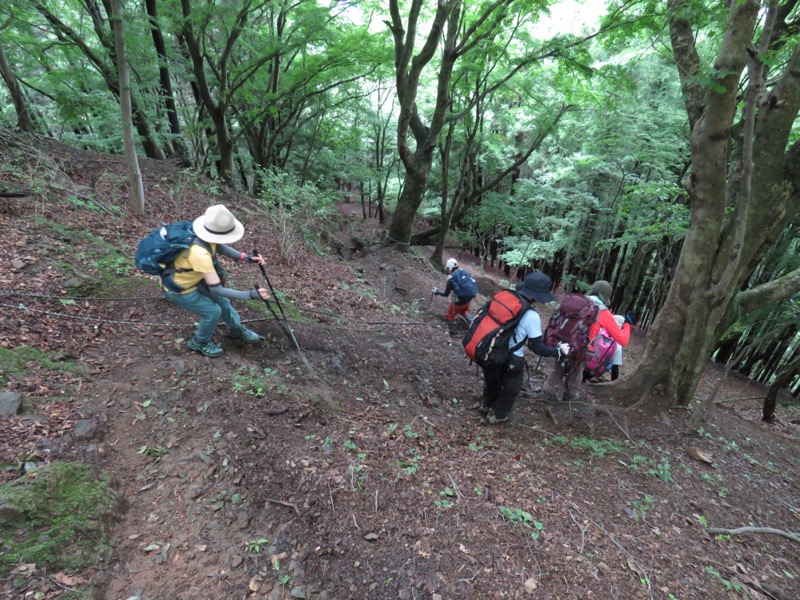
(770, 292)
(792, 536)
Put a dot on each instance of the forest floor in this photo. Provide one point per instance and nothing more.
(247, 476)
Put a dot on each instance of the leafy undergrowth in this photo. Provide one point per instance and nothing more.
(249, 476)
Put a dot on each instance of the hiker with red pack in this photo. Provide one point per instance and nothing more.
(578, 320)
(496, 342)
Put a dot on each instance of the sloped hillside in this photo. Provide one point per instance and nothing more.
(248, 476)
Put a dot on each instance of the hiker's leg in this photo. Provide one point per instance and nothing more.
(230, 316)
(208, 311)
(492, 379)
(460, 309)
(552, 385)
(450, 313)
(573, 384)
(510, 387)
(450, 316)
(614, 372)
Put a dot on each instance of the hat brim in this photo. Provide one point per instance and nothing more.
(218, 238)
(535, 295)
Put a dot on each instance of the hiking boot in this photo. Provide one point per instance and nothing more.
(545, 395)
(246, 335)
(481, 407)
(452, 328)
(208, 348)
(493, 419)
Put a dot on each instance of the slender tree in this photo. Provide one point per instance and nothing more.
(134, 175)
(164, 79)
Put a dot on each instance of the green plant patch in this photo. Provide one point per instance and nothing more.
(596, 448)
(60, 516)
(111, 260)
(18, 362)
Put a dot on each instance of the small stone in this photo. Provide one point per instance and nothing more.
(531, 585)
(86, 430)
(371, 537)
(10, 403)
(297, 592)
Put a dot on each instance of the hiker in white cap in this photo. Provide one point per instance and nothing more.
(197, 275)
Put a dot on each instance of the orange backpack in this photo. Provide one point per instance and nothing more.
(486, 341)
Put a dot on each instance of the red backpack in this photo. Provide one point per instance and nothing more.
(486, 341)
(571, 323)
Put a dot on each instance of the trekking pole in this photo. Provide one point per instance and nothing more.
(284, 323)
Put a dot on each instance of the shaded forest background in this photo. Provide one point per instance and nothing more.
(653, 148)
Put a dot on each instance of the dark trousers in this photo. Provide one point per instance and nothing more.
(501, 385)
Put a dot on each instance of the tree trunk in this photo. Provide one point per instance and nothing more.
(722, 246)
(408, 73)
(781, 380)
(223, 140)
(164, 78)
(24, 118)
(134, 175)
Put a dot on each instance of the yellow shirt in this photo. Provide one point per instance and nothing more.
(199, 261)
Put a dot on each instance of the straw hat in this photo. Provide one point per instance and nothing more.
(218, 225)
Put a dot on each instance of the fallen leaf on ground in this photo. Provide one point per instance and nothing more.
(698, 454)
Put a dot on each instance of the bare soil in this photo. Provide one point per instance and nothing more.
(247, 477)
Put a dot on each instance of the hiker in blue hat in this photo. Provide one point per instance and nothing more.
(501, 386)
(202, 292)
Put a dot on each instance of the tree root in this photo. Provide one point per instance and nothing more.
(739, 530)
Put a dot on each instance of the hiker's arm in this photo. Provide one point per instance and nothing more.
(234, 254)
(448, 288)
(538, 347)
(609, 323)
(216, 289)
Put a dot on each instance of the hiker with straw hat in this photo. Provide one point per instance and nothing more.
(196, 273)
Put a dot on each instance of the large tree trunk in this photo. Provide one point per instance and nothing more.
(408, 69)
(745, 167)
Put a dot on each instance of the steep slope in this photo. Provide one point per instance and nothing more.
(246, 477)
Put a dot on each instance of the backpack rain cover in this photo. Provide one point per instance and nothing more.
(486, 341)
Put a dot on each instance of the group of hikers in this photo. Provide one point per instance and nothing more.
(583, 336)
